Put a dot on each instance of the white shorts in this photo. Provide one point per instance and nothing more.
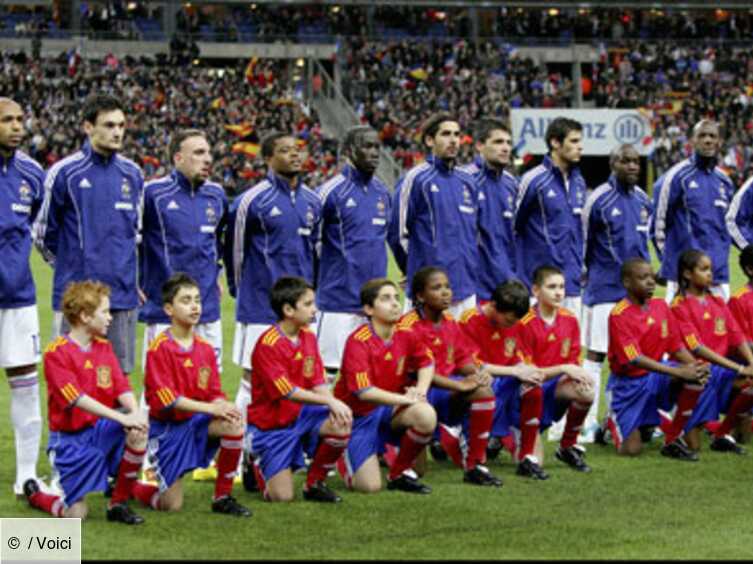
(19, 337)
(595, 327)
(332, 330)
(244, 341)
(456, 309)
(721, 290)
(211, 332)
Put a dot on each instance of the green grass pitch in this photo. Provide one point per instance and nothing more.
(650, 507)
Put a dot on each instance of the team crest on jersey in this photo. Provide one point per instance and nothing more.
(24, 192)
(308, 367)
(720, 327)
(211, 214)
(125, 189)
(565, 350)
(310, 216)
(664, 329)
(722, 193)
(104, 377)
(400, 365)
(204, 373)
(381, 207)
(509, 347)
(509, 201)
(466, 195)
(644, 215)
(450, 354)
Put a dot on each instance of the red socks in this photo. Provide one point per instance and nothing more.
(410, 446)
(741, 404)
(329, 450)
(685, 403)
(48, 503)
(479, 425)
(128, 471)
(576, 414)
(531, 406)
(227, 464)
(148, 494)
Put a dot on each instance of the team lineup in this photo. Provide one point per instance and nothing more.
(507, 282)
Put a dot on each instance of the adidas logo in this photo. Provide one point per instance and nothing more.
(693, 184)
(616, 212)
(434, 188)
(351, 203)
(551, 194)
(481, 196)
(173, 205)
(85, 184)
(275, 212)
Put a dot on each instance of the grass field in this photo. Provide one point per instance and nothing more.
(647, 508)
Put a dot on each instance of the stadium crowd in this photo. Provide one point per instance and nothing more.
(228, 22)
(165, 97)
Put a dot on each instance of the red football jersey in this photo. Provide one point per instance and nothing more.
(369, 361)
(279, 366)
(450, 347)
(649, 331)
(708, 322)
(549, 345)
(172, 372)
(741, 307)
(497, 345)
(72, 372)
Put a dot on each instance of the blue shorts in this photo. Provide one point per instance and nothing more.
(715, 397)
(636, 401)
(368, 437)
(177, 447)
(278, 449)
(451, 409)
(507, 399)
(82, 461)
(552, 409)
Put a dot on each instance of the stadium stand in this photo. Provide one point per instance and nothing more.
(233, 108)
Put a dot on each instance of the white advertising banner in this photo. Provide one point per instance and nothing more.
(603, 130)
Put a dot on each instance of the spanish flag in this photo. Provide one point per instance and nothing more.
(241, 130)
(218, 103)
(250, 68)
(248, 149)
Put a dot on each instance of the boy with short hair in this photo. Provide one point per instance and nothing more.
(495, 329)
(190, 417)
(387, 405)
(89, 438)
(287, 371)
(642, 330)
(550, 339)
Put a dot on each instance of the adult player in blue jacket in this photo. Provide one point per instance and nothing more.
(739, 216)
(184, 221)
(691, 201)
(435, 215)
(615, 228)
(497, 190)
(272, 232)
(355, 217)
(89, 223)
(21, 186)
(548, 211)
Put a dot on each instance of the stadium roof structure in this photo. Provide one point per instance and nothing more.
(576, 4)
